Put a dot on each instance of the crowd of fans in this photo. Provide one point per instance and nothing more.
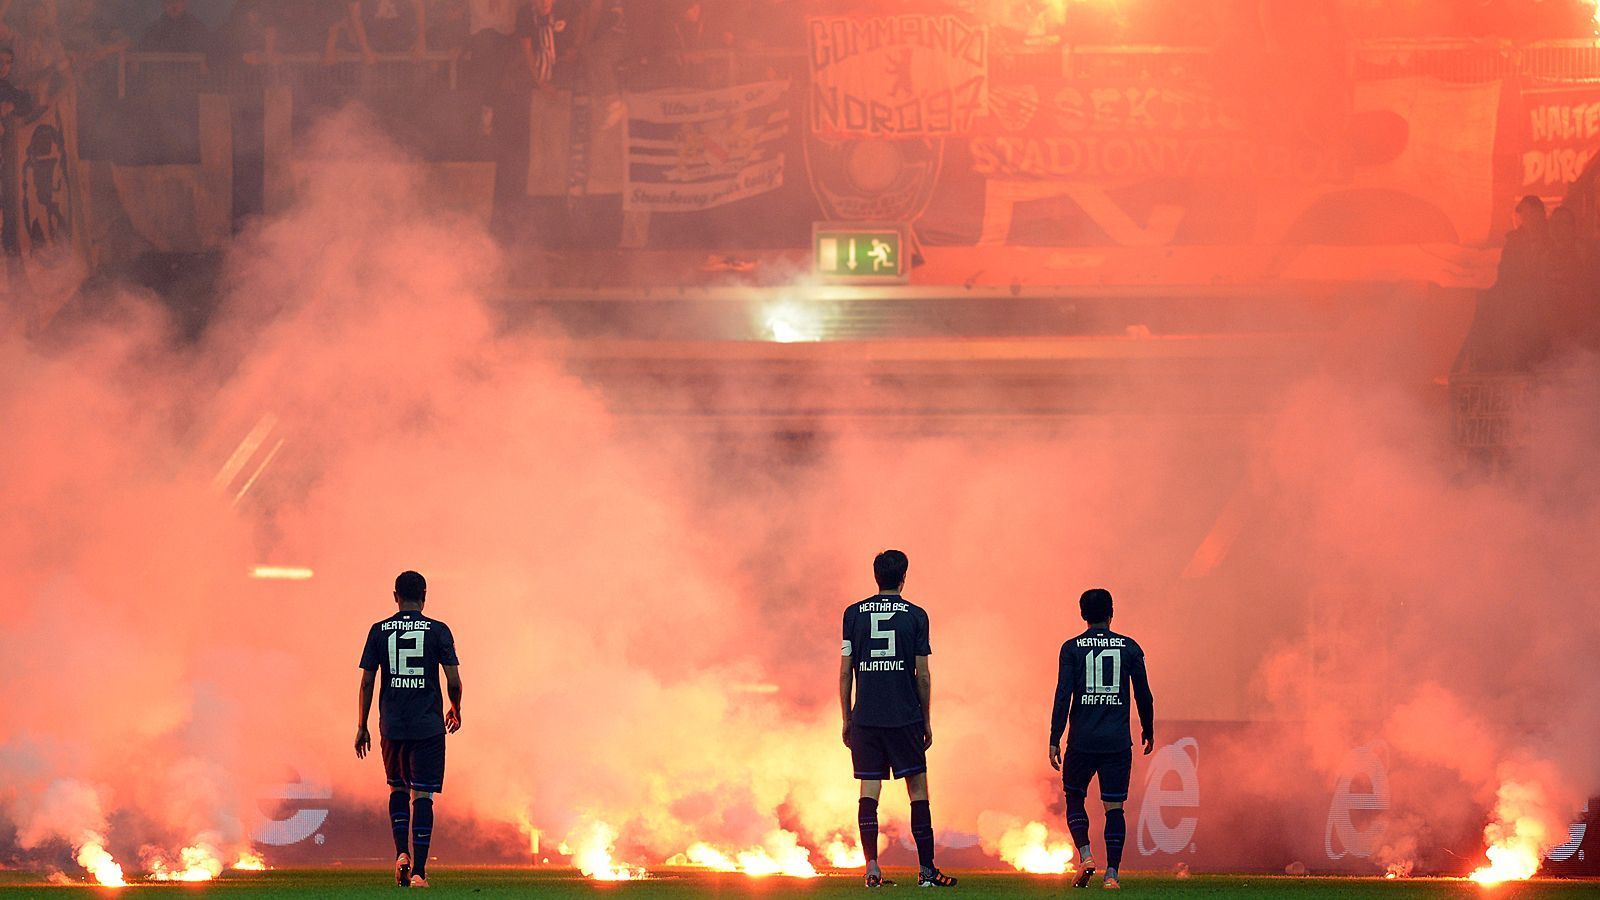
(550, 41)
(494, 51)
(1545, 302)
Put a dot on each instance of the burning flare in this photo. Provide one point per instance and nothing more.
(591, 846)
(779, 854)
(1518, 837)
(197, 863)
(844, 855)
(94, 857)
(250, 861)
(1029, 848)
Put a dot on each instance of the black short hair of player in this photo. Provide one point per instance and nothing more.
(411, 586)
(1095, 605)
(889, 567)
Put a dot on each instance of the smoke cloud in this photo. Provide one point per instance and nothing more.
(647, 615)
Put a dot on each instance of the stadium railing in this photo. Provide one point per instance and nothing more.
(1487, 410)
(342, 70)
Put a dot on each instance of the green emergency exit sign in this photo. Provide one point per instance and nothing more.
(860, 253)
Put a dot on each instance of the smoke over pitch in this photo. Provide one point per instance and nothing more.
(626, 603)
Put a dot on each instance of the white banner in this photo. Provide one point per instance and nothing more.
(694, 150)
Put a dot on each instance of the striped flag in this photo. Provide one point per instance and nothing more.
(694, 150)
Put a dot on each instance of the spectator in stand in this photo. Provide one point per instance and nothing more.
(306, 26)
(702, 26)
(598, 43)
(176, 31)
(1508, 330)
(89, 35)
(773, 24)
(250, 38)
(387, 26)
(536, 36)
(42, 65)
(92, 39)
(445, 26)
(13, 100)
(491, 25)
(1575, 278)
(671, 58)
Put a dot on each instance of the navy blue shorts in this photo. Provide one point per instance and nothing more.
(1114, 770)
(416, 765)
(892, 752)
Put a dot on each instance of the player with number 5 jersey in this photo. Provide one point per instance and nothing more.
(1101, 672)
(888, 727)
(408, 650)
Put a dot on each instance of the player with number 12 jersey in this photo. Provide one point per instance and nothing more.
(408, 650)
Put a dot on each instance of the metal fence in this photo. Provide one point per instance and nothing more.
(1487, 410)
(309, 71)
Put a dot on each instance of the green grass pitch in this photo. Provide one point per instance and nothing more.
(485, 883)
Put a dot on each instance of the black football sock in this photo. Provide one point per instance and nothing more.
(922, 833)
(400, 821)
(1116, 834)
(1078, 824)
(867, 818)
(421, 834)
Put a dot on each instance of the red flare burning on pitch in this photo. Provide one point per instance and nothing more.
(250, 861)
(197, 863)
(779, 854)
(1026, 846)
(1518, 837)
(93, 856)
(842, 854)
(592, 846)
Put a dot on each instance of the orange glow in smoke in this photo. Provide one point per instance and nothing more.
(197, 863)
(1508, 862)
(94, 857)
(1518, 837)
(843, 854)
(250, 861)
(1029, 848)
(592, 847)
(779, 854)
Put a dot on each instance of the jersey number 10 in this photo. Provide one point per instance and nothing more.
(1094, 672)
(400, 657)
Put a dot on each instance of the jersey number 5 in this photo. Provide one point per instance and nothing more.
(1095, 680)
(400, 657)
(878, 634)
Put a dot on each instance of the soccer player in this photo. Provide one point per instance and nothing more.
(888, 730)
(1092, 691)
(410, 648)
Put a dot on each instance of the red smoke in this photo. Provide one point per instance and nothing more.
(627, 595)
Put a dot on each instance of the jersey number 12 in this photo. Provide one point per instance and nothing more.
(400, 657)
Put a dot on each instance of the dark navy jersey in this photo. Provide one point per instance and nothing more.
(883, 636)
(408, 648)
(1099, 671)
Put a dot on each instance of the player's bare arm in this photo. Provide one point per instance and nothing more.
(846, 682)
(364, 712)
(925, 692)
(452, 682)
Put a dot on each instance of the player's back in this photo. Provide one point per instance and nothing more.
(883, 636)
(1104, 672)
(408, 648)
